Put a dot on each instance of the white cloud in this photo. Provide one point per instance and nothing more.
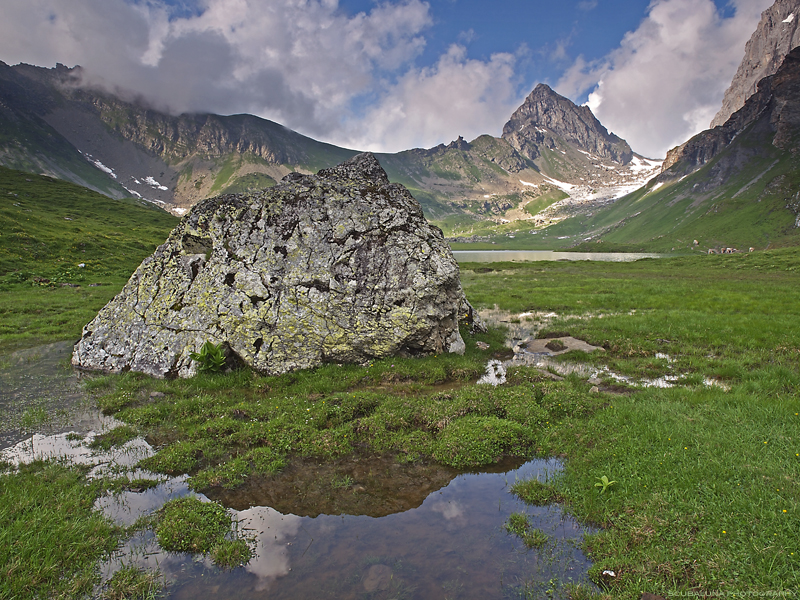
(456, 96)
(666, 80)
(299, 62)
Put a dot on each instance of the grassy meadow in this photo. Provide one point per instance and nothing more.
(695, 486)
(50, 228)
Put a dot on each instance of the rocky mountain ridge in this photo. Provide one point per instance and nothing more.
(546, 116)
(733, 186)
(777, 34)
(773, 109)
(126, 148)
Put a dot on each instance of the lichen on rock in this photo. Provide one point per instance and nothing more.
(338, 267)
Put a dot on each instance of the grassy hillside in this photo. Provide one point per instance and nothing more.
(48, 228)
(747, 196)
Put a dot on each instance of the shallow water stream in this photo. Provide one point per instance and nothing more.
(361, 527)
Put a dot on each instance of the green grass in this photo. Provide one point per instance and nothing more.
(707, 480)
(549, 198)
(49, 228)
(519, 525)
(133, 583)
(224, 429)
(50, 538)
(252, 182)
(189, 525)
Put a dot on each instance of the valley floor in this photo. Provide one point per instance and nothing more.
(694, 483)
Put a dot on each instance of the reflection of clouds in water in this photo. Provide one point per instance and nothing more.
(126, 507)
(271, 529)
(43, 447)
(450, 510)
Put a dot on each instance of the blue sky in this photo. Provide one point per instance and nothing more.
(546, 34)
(396, 74)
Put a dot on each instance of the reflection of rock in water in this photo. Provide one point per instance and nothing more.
(355, 485)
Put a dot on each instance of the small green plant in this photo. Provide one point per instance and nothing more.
(604, 483)
(341, 483)
(519, 525)
(211, 358)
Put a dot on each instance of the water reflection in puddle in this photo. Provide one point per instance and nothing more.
(40, 383)
(453, 545)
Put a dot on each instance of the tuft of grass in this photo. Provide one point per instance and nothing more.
(118, 436)
(342, 483)
(123, 484)
(229, 554)
(536, 493)
(189, 525)
(133, 583)
(34, 417)
(519, 525)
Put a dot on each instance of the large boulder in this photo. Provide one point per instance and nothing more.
(338, 267)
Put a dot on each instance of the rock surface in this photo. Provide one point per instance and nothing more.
(335, 267)
(546, 116)
(777, 34)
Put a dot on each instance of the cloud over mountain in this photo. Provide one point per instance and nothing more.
(365, 80)
(666, 80)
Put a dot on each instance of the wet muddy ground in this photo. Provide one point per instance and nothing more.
(39, 391)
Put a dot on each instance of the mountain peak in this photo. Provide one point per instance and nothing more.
(546, 115)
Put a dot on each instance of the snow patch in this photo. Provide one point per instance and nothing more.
(152, 182)
(133, 192)
(656, 186)
(528, 183)
(179, 212)
(104, 168)
(560, 184)
(789, 19)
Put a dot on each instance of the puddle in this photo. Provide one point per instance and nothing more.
(452, 545)
(73, 448)
(38, 385)
(532, 352)
(360, 527)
